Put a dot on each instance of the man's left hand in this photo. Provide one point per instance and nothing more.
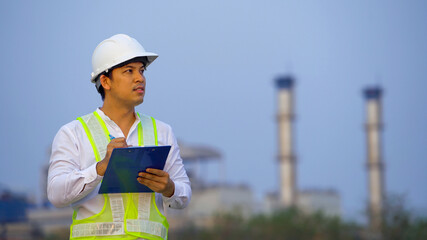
(158, 181)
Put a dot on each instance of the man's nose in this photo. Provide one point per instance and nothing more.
(140, 77)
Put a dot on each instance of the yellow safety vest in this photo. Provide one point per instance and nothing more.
(124, 215)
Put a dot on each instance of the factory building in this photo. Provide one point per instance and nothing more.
(314, 200)
(209, 199)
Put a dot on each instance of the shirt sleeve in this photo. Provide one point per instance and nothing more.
(68, 181)
(175, 167)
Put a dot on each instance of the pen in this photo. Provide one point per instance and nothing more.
(111, 137)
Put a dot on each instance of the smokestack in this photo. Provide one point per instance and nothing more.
(285, 117)
(374, 162)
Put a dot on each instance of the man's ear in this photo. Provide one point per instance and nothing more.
(105, 82)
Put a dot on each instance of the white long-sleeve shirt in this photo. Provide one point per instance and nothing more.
(72, 177)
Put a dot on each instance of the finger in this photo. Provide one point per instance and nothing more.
(157, 172)
(144, 182)
(147, 182)
(152, 177)
(153, 185)
(118, 144)
(118, 140)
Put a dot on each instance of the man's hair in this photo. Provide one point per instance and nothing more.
(108, 72)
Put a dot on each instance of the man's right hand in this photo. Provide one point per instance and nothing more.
(101, 166)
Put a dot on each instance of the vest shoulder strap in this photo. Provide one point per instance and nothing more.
(149, 130)
(97, 134)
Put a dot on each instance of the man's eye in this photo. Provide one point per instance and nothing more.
(129, 71)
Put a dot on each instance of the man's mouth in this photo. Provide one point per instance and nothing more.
(139, 89)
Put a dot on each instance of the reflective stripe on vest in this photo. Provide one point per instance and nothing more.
(131, 215)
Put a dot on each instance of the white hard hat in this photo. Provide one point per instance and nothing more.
(115, 50)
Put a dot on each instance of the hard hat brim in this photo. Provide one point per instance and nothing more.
(149, 55)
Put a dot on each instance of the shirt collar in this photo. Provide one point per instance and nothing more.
(110, 122)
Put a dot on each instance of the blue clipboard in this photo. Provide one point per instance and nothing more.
(125, 164)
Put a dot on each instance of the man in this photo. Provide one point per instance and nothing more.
(82, 148)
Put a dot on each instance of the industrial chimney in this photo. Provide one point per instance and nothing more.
(285, 117)
(374, 162)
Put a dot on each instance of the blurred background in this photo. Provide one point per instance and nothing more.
(298, 106)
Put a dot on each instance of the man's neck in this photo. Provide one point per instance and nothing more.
(123, 117)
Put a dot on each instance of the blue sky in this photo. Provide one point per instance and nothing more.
(214, 83)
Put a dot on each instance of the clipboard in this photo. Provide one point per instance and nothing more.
(126, 163)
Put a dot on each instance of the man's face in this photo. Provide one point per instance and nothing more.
(127, 84)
